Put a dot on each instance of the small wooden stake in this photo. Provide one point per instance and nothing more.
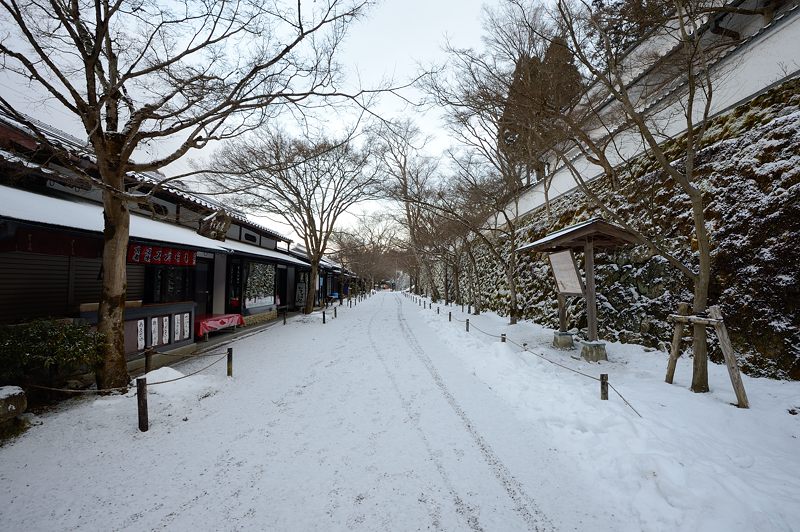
(449, 316)
(675, 350)
(467, 324)
(604, 386)
(503, 337)
(334, 312)
(284, 316)
(323, 317)
(230, 362)
(141, 401)
(437, 310)
(730, 357)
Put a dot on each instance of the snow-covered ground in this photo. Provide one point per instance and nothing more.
(389, 417)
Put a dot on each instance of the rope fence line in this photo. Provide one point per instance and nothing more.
(524, 347)
(72, 390)
(625, 400)
(189, 374)
(185, 355)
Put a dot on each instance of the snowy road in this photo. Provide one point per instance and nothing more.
(366, 423)
(389, 417)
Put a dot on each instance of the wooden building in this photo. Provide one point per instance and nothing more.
(189, 259)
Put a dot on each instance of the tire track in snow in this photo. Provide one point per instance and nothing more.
(524, 505)
(463, 509)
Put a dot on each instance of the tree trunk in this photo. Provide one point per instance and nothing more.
(512, 289)
(700, 336)
(312, 287)
(446, 284)
(477, 282)
(112, 371)
(457, 286)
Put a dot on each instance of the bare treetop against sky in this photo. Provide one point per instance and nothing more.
(393, 41)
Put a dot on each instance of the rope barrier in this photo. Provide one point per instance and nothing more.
(525, 348)
(472, 325)
(188, 355)
(126, 388)
(625, 400)
(70, 390)
(190, 374)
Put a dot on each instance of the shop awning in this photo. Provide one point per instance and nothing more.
(37, 208)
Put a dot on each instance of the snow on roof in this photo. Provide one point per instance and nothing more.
(234, 245)
(83, 149)
(557, 234)
(31, 207)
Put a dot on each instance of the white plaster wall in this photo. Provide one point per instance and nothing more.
(758, 63)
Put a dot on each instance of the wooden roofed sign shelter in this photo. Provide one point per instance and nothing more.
(560, 245)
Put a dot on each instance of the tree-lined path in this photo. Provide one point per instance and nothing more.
(368, 422)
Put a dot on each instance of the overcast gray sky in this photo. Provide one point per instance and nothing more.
(392, 41)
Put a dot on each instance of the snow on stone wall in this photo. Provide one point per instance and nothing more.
(751, 175)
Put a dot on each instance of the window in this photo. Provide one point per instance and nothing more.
(168, 284)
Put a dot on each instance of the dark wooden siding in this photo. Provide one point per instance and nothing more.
(35, 285)
(32, 285)
(87, 284)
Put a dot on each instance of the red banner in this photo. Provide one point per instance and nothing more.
(142, 254)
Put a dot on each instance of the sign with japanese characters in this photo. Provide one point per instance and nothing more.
(140, 335)
(154, 331)
(145, 254)
(186, 329)
(568, 281)
(176, 328)
(165, 330)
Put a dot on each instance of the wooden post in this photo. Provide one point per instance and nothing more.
(230, 362)
(284, 316)
(730, 357)
(334, 312)
(503, 337)
(323, 317)
(562, 313)
(591, 297)
(148, 360)
(437, 310)
(675, 349)
(469, 308)
(604, 386)
(467, 324)
(141, 402)
(449, 316)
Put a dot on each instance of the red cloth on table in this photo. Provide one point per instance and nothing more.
(206, 323)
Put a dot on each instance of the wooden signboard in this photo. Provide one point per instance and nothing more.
(565, 270)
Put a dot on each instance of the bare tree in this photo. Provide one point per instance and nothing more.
(488, 177)
(409, 180)
(309, 184)
(369, 247)
(649, 66)
(145, 74)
